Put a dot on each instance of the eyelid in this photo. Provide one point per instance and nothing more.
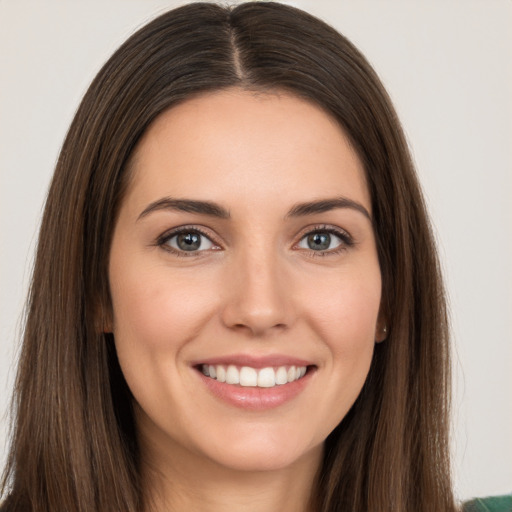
(163, 239)
(346, 238)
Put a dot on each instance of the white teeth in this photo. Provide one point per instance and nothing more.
(248, 376)
(221, 373)
(282, 375)
(232, 375)
(251, 377)
(266, 378)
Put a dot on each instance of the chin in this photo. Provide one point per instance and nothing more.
(263, 455)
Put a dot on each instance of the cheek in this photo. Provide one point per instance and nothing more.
(345, 316)
(156, 309)
(346, 309)
(346, 320)
(155, 315)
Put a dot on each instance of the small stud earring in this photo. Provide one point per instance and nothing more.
(385, 334)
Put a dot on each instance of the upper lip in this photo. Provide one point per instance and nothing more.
(254, 361)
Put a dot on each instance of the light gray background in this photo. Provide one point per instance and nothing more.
(448, 67)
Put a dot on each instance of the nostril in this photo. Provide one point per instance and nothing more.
(258, 328)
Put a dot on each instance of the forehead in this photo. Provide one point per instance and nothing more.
(236, 143)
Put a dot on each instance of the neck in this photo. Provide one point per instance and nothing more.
(186, 481)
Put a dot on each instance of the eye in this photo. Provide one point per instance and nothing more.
(324, 240)
(189, 241)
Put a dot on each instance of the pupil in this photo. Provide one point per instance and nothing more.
(319, 241)
(189, 241)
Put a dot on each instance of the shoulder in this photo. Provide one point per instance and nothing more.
(493, 504)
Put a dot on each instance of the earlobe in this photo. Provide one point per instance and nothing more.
(382, 325)
(106, 323)
(381, 332)
(103, 320)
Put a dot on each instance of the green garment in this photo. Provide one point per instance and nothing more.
(494, 504)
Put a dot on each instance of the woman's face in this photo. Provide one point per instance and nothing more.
(244, 256)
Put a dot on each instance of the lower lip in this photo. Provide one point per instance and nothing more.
(254, 398)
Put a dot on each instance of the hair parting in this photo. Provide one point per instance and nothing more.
(74, 443)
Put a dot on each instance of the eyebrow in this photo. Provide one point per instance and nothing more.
(215, 210)
(186, 205)
(325, 205)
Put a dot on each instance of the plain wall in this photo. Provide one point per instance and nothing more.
(448, 68)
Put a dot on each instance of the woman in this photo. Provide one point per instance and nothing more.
(234, 201)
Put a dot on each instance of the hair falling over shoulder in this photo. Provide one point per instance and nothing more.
(74, 444)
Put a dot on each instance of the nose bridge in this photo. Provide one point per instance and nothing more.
(258, 299)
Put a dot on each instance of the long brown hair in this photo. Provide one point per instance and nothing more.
(74, 444)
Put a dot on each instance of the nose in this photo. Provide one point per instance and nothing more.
(258, 299)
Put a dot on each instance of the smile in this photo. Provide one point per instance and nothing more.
(255, 383)
(247, 376)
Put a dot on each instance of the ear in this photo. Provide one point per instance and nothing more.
(103, 318)
(107, 327)
(382, 328)
(106, 321)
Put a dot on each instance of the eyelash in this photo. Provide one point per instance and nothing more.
(163, 240)
(346, 240)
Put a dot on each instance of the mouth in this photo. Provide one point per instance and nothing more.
(255, 384)
(247, 376)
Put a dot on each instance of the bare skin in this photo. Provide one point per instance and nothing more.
(193, 484)
(244, 246)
